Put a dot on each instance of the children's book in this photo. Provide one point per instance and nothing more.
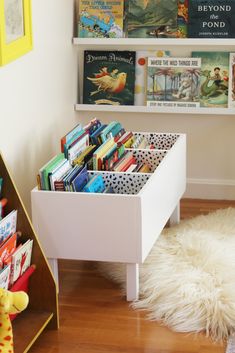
(20, 260)
(109, 77)
(211, 19)
(3, 203)
(101, 151)
(80, 180)
(231, 97)
(47, 168)
(100, 19)
(214, 78)
(59, 172)
(141, 72)
(70, 135)
(95, 184)
(78, 146)
(8, 225)
(182, 18)
(5, 277)
(7, 248)
(151, 18)
(173, 82)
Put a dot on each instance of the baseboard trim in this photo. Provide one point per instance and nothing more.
(210, 189)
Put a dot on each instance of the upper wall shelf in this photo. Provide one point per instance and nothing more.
(151, 42)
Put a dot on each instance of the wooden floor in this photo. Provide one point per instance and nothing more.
(95, 318)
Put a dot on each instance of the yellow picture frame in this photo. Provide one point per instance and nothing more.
(15, 48)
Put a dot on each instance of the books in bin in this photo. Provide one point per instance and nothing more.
(151, 18)
(100, 19)
(214, 78)
(109, 77)
(173, 82)
(211, 19)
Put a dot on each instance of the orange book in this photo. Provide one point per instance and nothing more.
(7, 248)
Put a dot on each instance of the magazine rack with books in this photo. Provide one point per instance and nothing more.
(119, 227)
(42, 309)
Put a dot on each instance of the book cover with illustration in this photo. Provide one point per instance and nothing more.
(211, 19)
(231, 97)
(182, 18)
(102, 19)
(151, 18)
(20, 260)
(109, 77)
(214, 78)
(8, 225)
(141, 72)
(173, 82)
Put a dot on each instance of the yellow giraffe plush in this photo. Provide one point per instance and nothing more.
(10, 303)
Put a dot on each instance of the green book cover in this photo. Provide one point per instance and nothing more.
(56, 160)
(214, 80)
(151, 18)
(109, 77)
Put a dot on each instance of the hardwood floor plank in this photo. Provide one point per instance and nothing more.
(95, 317)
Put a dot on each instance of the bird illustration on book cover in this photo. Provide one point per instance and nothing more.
(109, 77)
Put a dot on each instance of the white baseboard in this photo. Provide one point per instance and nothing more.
(210, 189)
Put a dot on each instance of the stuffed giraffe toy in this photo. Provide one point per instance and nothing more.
(10, 303)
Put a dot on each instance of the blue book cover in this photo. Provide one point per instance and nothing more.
(80, 180)
(95, 184)
(211, 19)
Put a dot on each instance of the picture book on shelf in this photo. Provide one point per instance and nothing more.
(214, 78)
(211, 19)
(182, 18)
(173, 82)
(5, 277)
(8, 225)
(141, 72)
(20, 260)
(100, 19)
(151, 18)
(231, 97)
(109, 77)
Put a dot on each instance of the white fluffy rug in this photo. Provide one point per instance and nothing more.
(188, 280)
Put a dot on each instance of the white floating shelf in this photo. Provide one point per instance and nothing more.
(151, 42)
(144, 109)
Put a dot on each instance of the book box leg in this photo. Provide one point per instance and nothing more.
(132, 282)
(175, 217)
(54, 268)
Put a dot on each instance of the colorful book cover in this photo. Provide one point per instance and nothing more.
(214, 79)
(5, 277)
(20, 260)
(109, 77)
(231, 91)
(211, 19)
(182, 18)
(151, 18)
(100, 19)
(8, 225)
(173, 82)
(141, 72)
(7, 248)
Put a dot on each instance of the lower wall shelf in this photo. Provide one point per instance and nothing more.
(145, 109)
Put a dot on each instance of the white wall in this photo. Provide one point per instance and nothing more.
(37, 94)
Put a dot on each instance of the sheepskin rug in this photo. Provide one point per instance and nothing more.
(188, 280)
